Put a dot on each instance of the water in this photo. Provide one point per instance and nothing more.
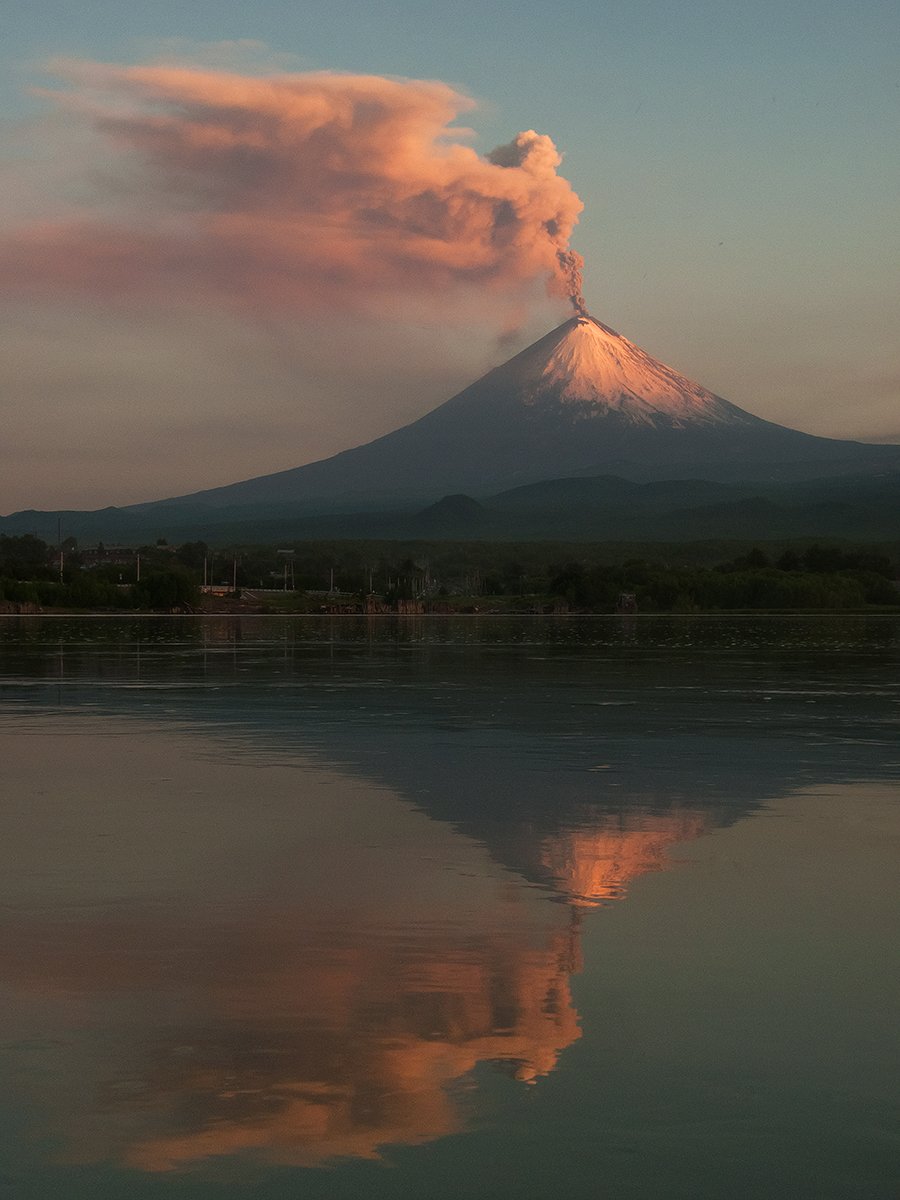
(471, 907)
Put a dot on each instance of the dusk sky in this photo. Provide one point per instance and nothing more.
(240, 237)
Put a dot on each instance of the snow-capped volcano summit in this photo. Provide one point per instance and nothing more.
(586, 364)
(582, 400)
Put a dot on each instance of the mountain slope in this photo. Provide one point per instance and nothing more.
(582, 400)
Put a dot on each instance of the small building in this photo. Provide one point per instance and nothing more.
(103, 556)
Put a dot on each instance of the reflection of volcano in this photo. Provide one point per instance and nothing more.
(301, 999)
(290, 908)
(592, 865)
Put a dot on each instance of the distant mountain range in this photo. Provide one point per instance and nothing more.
(602, 508)
(580, 436)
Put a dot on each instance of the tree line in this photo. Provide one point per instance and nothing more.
(448, 575)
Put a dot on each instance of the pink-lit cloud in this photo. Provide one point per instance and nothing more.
(296, 192)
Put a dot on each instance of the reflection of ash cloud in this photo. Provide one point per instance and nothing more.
(367, 1059)
(300, 1037)
(297, 1049)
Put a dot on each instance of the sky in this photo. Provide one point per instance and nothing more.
(235, 238)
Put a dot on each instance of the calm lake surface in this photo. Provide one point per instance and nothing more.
(439, 907)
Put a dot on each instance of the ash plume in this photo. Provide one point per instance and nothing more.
(294, 192)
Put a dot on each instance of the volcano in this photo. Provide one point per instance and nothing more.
(583, 400)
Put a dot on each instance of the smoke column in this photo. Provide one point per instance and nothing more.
(571, 264)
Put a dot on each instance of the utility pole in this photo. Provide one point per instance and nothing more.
(288, 558)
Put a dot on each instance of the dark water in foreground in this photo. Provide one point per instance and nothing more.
(449, 908)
